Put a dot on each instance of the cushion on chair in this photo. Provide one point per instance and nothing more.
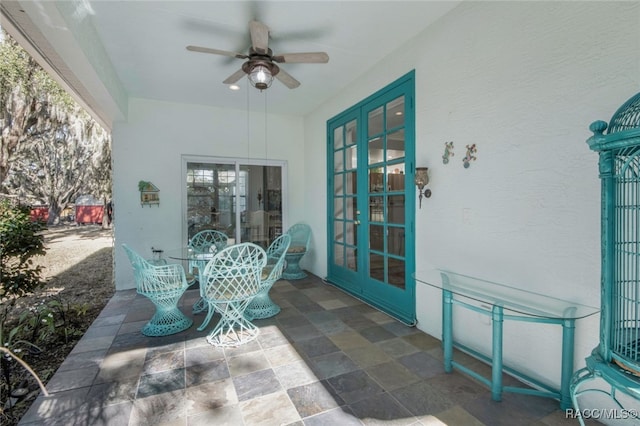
(266, 271)
(296, 249)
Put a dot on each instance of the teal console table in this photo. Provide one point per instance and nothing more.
(504, 303)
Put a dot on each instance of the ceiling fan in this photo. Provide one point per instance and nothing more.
(261, 65)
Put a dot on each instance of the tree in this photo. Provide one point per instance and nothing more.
(20, 241)
(51, 150)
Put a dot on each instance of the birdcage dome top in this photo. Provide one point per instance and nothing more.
(626, 117)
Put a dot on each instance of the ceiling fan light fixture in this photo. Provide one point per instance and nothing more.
(260, 77)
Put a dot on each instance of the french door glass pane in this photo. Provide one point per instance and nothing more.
(338, 254)
(375, 121)
(338, 141)
(345, 161)
(395, 113)
(395, 145)
(352, 136)
(396, 272)
(376, 150)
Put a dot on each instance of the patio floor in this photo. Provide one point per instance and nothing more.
(326, 359)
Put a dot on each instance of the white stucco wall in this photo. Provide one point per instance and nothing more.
(523, 81)
(165, 132)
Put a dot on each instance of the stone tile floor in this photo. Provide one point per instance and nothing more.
(326, 359)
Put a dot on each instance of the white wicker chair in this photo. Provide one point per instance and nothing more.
(230, 281)
(163, 285)
(262, 306)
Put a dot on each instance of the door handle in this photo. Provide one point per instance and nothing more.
(357, 222)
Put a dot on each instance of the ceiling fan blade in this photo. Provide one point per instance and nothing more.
(259, 37)
(286, 79)
(216, 52)
(304, 57)
(233, 78)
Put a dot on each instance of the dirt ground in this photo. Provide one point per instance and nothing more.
(78, 270)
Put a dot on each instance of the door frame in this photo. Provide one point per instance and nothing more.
(238, 162)
(344, 278)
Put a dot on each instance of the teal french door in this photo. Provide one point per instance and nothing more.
(371, 199)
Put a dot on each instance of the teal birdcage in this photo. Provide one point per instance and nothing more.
(617, 357)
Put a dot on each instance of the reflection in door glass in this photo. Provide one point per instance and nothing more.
(352, 233)
(376, 267)
(396, 272)
(396, 241)
(395, 209)
(338, 186)
(262, 219)
(376, 237)
(352, 136)
(352, 158)
(376, 151)
(352, 207)
(376, 180)
(351, 182)
(395, 113)
(337, 138)
(375, 122)
(338, 163)
(376, 209)
(338, 208)
(211, 190)
(338, 251)
(395, 145)
(338, 231)
(352, 261)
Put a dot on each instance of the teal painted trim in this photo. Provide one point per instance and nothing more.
(564, 394)
(606, 165)
(568, 338)
(470, 372)
(496, 365)
(543, 388)
(447, 328)
(532, 392)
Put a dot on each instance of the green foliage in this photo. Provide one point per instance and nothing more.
(20, 242)
(51, 150)
(50, 320)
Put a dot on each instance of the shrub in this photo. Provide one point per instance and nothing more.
(20, 242)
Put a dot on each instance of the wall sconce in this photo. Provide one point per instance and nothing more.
(422, 179)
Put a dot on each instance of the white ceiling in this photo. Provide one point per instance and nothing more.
(145, 43)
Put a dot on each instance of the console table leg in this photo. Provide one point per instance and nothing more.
(568, 337)
(496, 365)
(447, 332)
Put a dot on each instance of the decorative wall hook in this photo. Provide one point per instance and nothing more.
(466, 161)
(448, 152)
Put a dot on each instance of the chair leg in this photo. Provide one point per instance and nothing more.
(200, 306)
(293, 271)
(262, 306)
(168, 319)
(205, 323)
(233, 329)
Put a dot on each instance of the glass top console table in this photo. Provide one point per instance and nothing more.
(506, 303)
